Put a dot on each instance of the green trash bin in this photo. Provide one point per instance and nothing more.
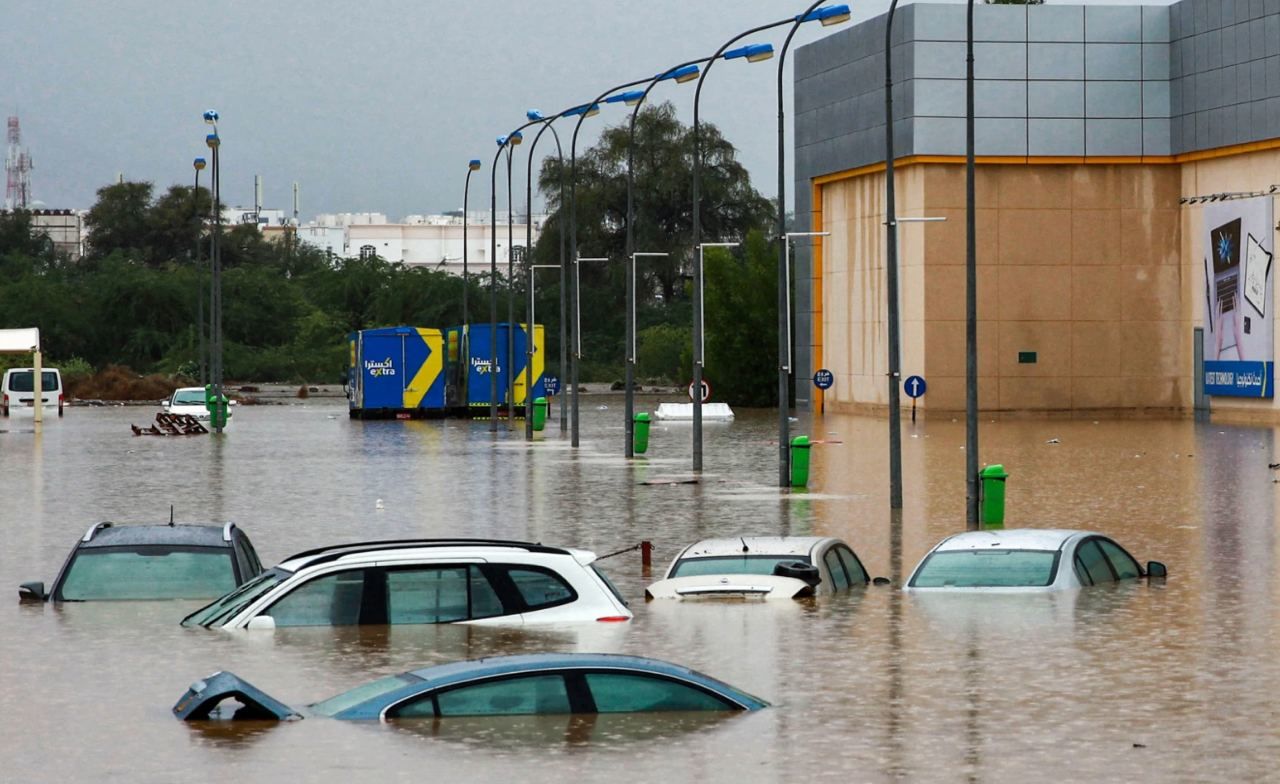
(992, 481)
(640, 433)
(539, 413)
(800, 461)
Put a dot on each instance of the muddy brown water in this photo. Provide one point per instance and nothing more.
(1172, 681)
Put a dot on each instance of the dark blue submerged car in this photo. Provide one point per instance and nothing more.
(532, 684)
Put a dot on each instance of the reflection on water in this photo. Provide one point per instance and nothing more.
(1167, 680)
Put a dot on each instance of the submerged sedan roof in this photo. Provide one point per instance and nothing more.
(445, 674)
(110, 535)
(755, 545)
(1010, 539)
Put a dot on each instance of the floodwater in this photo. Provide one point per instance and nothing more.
(1173, 681)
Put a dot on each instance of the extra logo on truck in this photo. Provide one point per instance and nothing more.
(484, 366)
(383, 368)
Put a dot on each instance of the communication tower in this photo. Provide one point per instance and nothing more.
(17, 170)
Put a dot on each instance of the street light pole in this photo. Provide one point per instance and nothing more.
(971, 294)
(215, 293)
(751, 53)
(198, 164)
(891, 273)
(511, 296)
(493, 286)
(827, 16)
(472, 165)
(685, 72)
(528, 240)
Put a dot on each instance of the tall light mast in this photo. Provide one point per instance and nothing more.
(17, 170)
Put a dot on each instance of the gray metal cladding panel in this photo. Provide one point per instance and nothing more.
(1056, 99)
(1156, 137)
(999, 136)
(999, 61)
(1273, 76)
(1113, 99)
(1055, 61)
(940, 60)
(1271, 34)
(1237, 44)
(939, 136)
(1113, 61)
(1155, 99)
(1055, 136)
(1258, 79)
(1155, 24)
(1049, 23)
(1257, 39)
(998, 98)
(1113, 137)
(1155, 61)
(940, 97)
(999, 23)
(940, 23)
(1115, 24)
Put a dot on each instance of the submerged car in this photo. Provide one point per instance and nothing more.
(413, 581)
(191, 401)
(531, 684)
(167, 561)
(1026, 559)
(766, 567)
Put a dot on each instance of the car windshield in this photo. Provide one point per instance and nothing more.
(23, 381)
(987, 569)
(733, 564)
(150, 572)
(349, 699)
(219, 610)
(188, 397)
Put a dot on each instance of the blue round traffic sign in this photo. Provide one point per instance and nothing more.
(551, 384)
(823, 379)
(915, 386)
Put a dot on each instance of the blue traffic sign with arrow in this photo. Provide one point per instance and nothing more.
(915, 386)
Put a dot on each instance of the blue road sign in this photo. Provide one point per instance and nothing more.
(551, 384)
(823, 379)
(915, 386)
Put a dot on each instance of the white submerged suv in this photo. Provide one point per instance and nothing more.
(478, 581)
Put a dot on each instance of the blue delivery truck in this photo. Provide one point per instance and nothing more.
(396, 372)
(470, 361)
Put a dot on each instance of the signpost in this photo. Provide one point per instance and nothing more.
(551, 384)
(824, 379)
(706, 390)
(915, 388)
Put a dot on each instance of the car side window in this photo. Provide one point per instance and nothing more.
(1090, 560)
(331, 600)
(625, 693)
(427, 595)
(852, 565)
(518, 696)
(839, 580)
(540, 588)
(1124, 564)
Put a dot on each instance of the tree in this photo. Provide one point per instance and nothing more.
(663, 198)
(118, 221)
(741, 319)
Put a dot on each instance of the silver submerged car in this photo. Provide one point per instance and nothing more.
(1026, 560)
(762, 567)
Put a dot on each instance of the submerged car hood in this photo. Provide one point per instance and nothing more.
(759, 586)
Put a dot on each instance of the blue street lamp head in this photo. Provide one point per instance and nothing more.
(198, 163)
(828, 15)
(685, 73)
(630, 98)
(753, 53)
(212, 140)
(533, 115)
(211, 116)
(474, 164)
(515, 138)
(583, 109)
(502, 141)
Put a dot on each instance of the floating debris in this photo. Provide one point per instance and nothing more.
(172, 425)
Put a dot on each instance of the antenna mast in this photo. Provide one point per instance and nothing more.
(17, 169)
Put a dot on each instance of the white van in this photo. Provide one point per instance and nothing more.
(17, 390)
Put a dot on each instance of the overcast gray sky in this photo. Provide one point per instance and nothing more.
(371, 105)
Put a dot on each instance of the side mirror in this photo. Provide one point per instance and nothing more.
(1156, 569)
(880, 581)
(262, 623)
(31, 592)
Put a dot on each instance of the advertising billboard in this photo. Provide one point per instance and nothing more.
(1239, 346)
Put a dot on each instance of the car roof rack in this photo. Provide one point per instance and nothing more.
(333, 552)
(93, 529)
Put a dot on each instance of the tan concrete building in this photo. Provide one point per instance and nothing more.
(1098, 132)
